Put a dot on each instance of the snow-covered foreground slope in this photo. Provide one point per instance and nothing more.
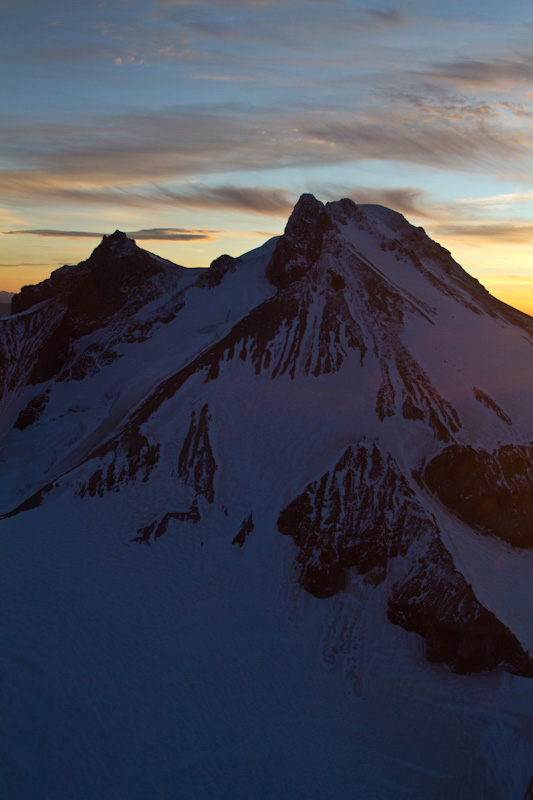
(195, 669)
(267, 527)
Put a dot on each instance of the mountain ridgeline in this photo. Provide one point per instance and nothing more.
(346, 388)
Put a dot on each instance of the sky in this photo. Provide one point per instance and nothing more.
(195, 127)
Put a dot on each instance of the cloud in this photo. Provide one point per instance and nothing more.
(243, 3)
(47, 232)
(498, 201)
(118, 159)
(391, 17)
(235, 78)
(498, 73)
(36, 189)
(255, 200)
(16, 266)
(501, 232)
(441, 104)
(215, 30)
(80, 53)
(414, 138)
(172, 235)
(407, 201)
(159, 234)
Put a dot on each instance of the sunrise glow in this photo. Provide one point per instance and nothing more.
(200, 124)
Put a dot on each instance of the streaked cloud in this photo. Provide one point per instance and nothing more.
(511, 232)
(214, 29)
(419, 138)
(406, 200)
(154, 234)
(17, 266)
(390, 17)
(249, 199)
(499, 201)
(243, 3)
(119, 159)
(498, 73)
(172, 235)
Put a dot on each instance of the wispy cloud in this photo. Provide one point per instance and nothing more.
(127, 158)
(172, 235)
(154, 234)
(48, 232)
(255, 200)
(243, 3)
(214, 29)
(497, 232)
(499, 201)
(17, 266)
(498, 73)
(420, 138)
(391, 17)
(406, 200)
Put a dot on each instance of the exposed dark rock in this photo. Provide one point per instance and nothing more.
(360, 514)
(5, 302)
(134, 458)
(363, 514)
(410, 410)
(196, 463)
(32, 411)
(88, 363)
(217, 270)
(436, 602)
(53, 353)
(302, 243)
(33, 501)
(337, 282)
(245, 530)
(117, 274)
(98, 287)
(485, 399)
(287, 334)
(385, 406)
(344, 210)
(422, 401)
(491, 491)
(159, 528)
(144, 534)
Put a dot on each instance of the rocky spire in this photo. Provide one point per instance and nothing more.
(301, 244)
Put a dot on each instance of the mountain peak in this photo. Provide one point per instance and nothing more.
(117, 244)
(117, 236)
(301, 244)
(307, 206)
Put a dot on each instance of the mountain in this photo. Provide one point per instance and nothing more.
(5, 302)
(279, 505)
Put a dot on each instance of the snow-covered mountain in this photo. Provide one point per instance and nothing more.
(295, 488)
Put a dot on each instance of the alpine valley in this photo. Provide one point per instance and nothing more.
(267, 527)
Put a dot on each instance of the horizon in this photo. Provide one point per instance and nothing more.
(200, 125)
